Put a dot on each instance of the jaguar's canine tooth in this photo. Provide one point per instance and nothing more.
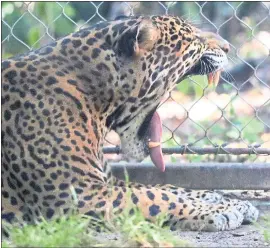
(216, 77)
(152, 144)
(210, 78)
(213, 77)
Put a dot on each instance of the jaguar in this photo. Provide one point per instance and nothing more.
(60, 101)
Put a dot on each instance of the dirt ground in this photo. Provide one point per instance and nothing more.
(245, 236)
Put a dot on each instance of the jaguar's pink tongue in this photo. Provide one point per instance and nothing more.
(155, 142)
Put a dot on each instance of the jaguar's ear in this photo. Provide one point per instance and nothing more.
(139, 39)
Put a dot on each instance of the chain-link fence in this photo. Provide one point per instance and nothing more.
(230, 123)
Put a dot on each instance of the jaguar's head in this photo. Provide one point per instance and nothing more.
(158, 51)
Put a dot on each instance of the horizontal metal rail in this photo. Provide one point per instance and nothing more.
(199, 150)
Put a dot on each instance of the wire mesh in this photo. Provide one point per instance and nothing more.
(233, 119)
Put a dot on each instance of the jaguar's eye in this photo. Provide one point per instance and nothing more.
(121, 17)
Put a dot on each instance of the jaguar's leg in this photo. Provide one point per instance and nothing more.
(249, 212)
(183, 213)
(208, 196)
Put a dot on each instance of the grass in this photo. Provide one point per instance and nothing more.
(75, 231)
(123, 230)
(136, 228)
(66, 231)
(265, 227)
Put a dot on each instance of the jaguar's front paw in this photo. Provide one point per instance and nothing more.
(249, 212)
(227, 220)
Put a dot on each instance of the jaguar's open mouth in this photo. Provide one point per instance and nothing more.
(207, 66)
(203, 67)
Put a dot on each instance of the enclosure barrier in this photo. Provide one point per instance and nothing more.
(202, 151)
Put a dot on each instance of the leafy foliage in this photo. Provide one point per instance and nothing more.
(74, 231)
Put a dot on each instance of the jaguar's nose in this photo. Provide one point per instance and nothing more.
(216, 39)
(226, 47)
(222, 43)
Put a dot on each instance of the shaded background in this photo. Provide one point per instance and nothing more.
(234, 115)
